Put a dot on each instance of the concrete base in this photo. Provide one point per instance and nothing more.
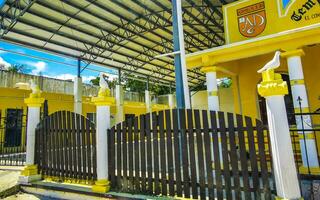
(26, 180)
(101, 186)
(279, 198)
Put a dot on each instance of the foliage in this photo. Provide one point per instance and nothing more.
(134, 85)
(112, 83)
(17, 68)
(225, 83)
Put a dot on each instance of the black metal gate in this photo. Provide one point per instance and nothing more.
(66, 147)
(12, 137)
(191, 154)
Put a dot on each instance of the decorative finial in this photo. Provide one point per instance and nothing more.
(104, 85)
(273, 64)
(36, 93)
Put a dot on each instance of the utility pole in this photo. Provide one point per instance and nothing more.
(182, 88)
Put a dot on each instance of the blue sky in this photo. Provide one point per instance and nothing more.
(46, 67)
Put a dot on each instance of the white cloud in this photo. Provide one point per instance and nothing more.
(85, 79)
(4, 64)
(39, 67)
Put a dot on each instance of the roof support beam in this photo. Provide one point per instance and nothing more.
(49, 50)
(15, 10)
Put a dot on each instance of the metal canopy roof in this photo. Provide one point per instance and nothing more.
(122, 34)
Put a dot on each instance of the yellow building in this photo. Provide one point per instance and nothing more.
(13, 110)
(254, 31)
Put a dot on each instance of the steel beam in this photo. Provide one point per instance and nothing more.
(15, 10)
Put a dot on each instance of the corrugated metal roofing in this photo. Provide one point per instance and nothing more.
(122, 34)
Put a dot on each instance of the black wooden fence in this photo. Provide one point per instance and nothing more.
(192, 154)
(66, 147)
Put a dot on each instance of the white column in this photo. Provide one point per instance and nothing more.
(273, 88)
(119, 103)
(77, 92)
(103, 104)
(212, 87)
(148, 101)
(30, 171)
(171, 101)
(282, 154)
(298, 89)
(32, 122)
(103, 124)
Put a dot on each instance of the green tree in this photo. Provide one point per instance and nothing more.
(18, 68)
(112, 83)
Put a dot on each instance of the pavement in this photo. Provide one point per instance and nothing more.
(9, 188)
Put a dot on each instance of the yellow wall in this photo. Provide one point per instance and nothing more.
(226, 100)
(249, 78)
(14, 98)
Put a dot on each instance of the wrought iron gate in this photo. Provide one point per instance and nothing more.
(12, 137)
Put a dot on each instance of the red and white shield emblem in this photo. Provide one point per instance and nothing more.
(252, 20)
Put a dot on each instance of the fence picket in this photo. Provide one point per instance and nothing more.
(169, 153)
(243, 157)
(253, 157)
(130, 155)
(216, 155)
(137, 139)
(177, 152)
(200, 160)
(225, 159)
(208, 157)
(263, 161)
(124, 156)
(192, 154)
(142, 137)
(155, 156)
(119, 157)
(234, 156)
(149, 154)
(162, 154)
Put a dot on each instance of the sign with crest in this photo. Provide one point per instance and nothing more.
(252, 20)
(247, 19)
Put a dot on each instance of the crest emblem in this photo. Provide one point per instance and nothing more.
(252, 20)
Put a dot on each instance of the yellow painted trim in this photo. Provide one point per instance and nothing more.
(308, 136)
(212, 93)
(297, 82)
(297, 52)
(272, 84)
(313, 170)
(287, 40)
(34, 101)
(101, 186)
(280, 198)
(30, 170)
(209, 69)
(103, 100)
(303, 110)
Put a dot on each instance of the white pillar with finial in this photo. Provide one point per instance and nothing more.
(34, 102)
(103, 103)
(273, 89)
